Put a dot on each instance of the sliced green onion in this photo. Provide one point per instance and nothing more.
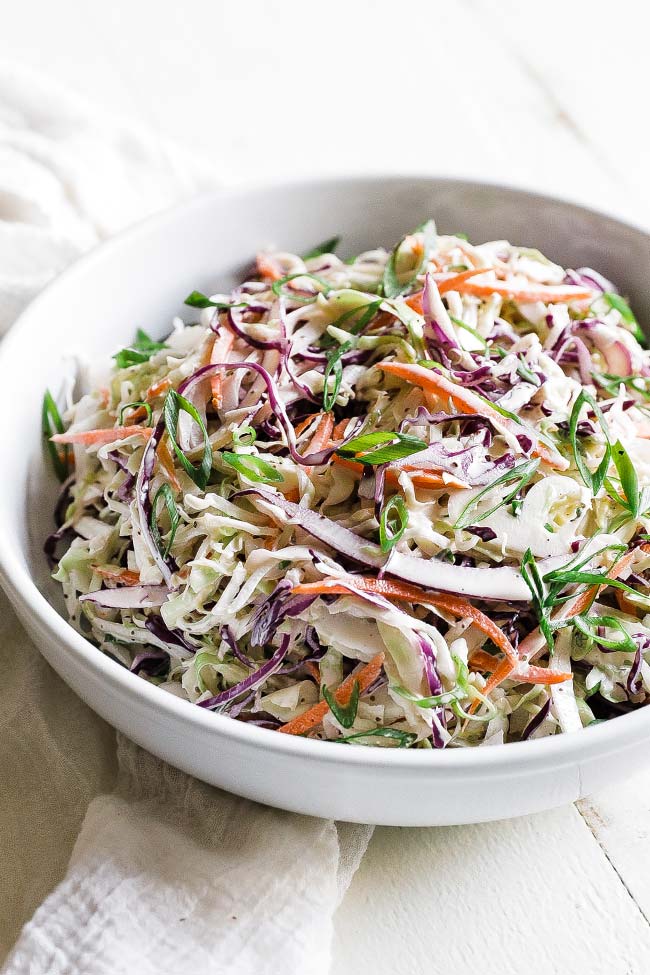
(164, 492)
(541, 603)
(405, 738)
(573, 577)
(175, 404)
(392, 522)
(202, 660)
(435, 701)
(277, 286)
(502, 410)
(586, 625)
(253, 467)
(369, 312)
(344, 714)
(141, 351)
(629, 480)
(596, 480)
(52, 423)
(244, 436)
(391, 285)
(398, 445)
(327, 247)
(334, 368)
(472, 331)
(136, 406)
(610, 382)
(196, 299)
(621, 306)
(521, 475)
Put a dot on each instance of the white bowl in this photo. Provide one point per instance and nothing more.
(140, 279)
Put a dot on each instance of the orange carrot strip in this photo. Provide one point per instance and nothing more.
(302, 426)
(322, 433)
(167, 463)
(157, 389)
(456, 281)
(321, 436)
(431, 480)
(466, 401)
(314, 715)
(313, 669)
(625, 604)
(461, 282)
(134, 416)
(415, 302)
(445, 283)
(390, 588)
(585, 599)
(90, 437)
(480, 660)
(546, 293)
(268, 268)
(339, 430)
(125, 576)
(223, 343)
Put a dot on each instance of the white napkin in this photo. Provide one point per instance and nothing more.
(168, 875)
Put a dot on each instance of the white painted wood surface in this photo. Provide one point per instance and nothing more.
(549, 96)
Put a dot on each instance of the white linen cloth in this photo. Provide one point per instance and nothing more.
(167, 875)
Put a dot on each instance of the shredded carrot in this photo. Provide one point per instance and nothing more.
(302, 426)
(624, 604)
(444, 282)
(125, 576)
(90, 437)
(321, 436)
(134, 416)
(313, 669)
(456, 281)
(462, 282)
(546, 293)
(167, 463)
(157, 389)
(585, 599)
(322, 433)
(314, 715)
(480, 660)
(338, 432)
(466, 401)
(392, 589)
(223, 343)
(293, 495)
(415, 302)
(431, 480)
(268, 268)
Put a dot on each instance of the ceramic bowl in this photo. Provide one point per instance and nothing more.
(139, 280)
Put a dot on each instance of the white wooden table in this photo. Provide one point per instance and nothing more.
(549, 96)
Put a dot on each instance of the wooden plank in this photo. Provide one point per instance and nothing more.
(620, 822)
(530, 895)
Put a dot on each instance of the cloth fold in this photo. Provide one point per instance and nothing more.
(171, 876)
(167, 875)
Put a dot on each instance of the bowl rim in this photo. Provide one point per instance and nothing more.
(557, 751)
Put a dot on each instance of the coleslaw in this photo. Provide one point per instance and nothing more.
(399, 500)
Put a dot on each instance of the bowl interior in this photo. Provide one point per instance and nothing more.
(141, 278)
